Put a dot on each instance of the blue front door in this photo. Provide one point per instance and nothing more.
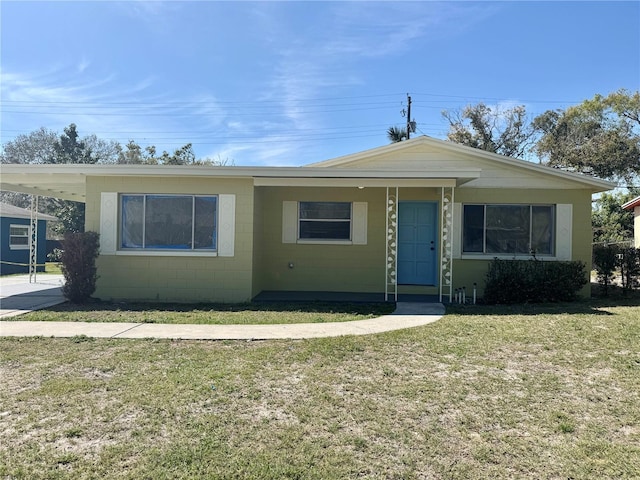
(417, 248)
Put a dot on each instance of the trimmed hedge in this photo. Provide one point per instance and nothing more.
(79, 254)
(533, 281)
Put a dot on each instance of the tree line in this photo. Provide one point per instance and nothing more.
(598, 137)
(47, 147)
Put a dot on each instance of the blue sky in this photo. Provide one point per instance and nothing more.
(289, 83)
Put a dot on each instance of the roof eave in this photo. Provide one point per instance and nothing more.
(630, 205)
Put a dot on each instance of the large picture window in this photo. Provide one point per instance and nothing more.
(324, 221)
(178, 222)
(508, 229)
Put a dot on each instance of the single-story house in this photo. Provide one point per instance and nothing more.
(634, 206)
(422, 216)
(15, 240)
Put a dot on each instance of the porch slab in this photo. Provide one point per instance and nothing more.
(348, 297)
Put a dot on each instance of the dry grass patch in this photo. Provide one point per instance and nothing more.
(499, 395)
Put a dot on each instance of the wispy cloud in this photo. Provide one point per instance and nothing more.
(104, 107)
(83, 65)
(324, 59)
(148, 10)
(380, 29)
(304, 62)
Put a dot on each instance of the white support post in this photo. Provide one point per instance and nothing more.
(391, 242)
(33, 240)
(446, 242)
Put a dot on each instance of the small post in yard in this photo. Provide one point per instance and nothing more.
(33, 240)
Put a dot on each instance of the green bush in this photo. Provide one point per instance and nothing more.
(80, 251)
(533, 281)
(629, 263)
(605, 260)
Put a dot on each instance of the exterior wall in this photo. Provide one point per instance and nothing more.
(468, 271)
(318, 267)
(172, 276)
(261, 260)
(21, 256)
(258, 243)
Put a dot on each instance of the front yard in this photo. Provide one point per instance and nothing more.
(537, 392)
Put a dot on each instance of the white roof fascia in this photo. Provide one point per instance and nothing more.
(11, 211)
(31, 170)
(69, 181)
(356, 182)
(631, 204)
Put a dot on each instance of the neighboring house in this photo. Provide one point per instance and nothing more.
(16, 234)
(634, 205)
(423, 216)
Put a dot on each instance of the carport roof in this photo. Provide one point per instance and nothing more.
(68, 181)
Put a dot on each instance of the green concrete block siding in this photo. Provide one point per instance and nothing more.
(261, 260)
(355, 268)
(177, 278)
(466, 271)
(347, 268)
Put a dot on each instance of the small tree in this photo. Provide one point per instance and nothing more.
(80, 251)
(629, 263)
(605, 259)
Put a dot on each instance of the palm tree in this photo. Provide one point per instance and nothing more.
(395, 134)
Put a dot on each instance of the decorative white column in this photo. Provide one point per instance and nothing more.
(33, 240)
(391, 232)
(446, 243)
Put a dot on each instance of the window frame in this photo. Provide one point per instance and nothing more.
(168, 250)
(19, 246)
(484, 254)
(328, 240)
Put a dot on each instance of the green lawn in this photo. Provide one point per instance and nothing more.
(536, 392)
(210, 314)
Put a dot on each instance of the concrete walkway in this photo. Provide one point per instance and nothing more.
(18, 296)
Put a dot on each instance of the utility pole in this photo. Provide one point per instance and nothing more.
(408, 116)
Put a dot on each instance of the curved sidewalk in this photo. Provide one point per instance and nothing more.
(407, 315)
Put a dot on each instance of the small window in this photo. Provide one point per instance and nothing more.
(176, 222)
(19, 237)
(508, 229)
(324, 221)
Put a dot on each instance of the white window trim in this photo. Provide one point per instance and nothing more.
(491, 256)
(325, 241)
(291, 222)
(110, 225)
(563, 250)
(20, 247)
(512, 256)
(167, 253)
(311, 241)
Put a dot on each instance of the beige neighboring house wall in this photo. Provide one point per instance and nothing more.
(634, 205)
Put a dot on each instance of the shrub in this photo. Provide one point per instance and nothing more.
(55, 255)
(605, 259)
(80, 251)
(533, 281)
(629, 263)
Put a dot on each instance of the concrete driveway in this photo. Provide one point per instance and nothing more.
(18, 296)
